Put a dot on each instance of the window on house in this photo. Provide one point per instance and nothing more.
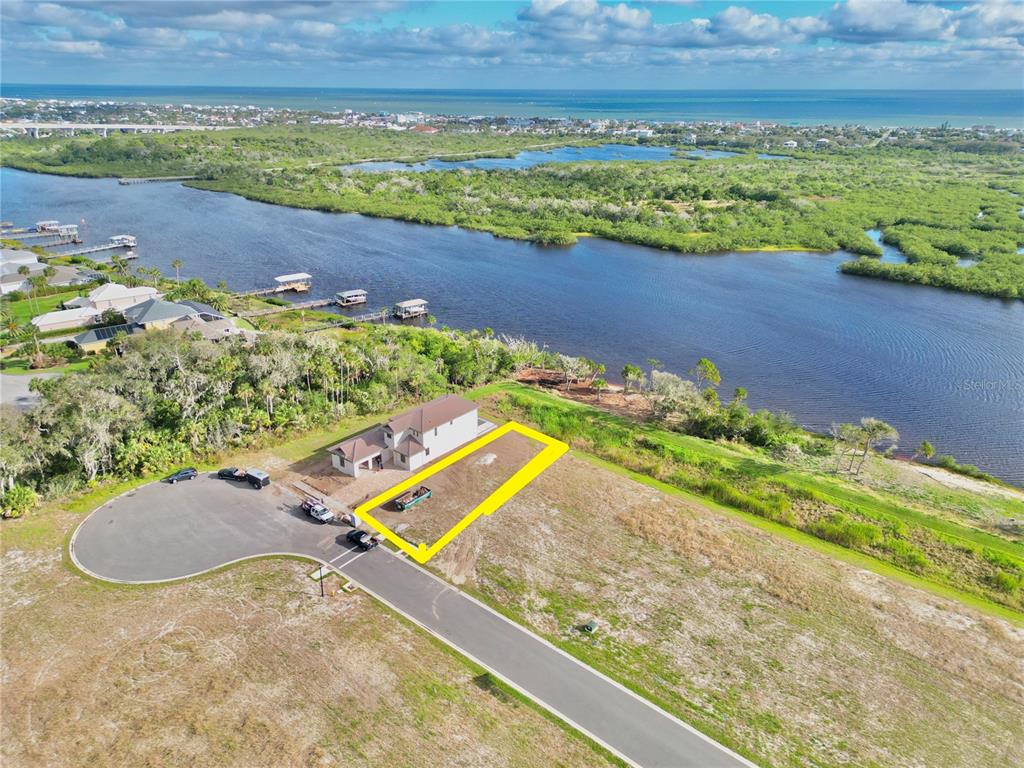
(428, 451)
(435, 431)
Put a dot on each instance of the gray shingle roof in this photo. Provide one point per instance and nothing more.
(155, 310)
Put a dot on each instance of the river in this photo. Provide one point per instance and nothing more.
(798, 334)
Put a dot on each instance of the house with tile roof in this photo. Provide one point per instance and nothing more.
(114, 296)
(410, 439)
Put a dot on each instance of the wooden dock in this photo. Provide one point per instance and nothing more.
(91, 249)
(348, 320)
(62, 237)
(314, 304)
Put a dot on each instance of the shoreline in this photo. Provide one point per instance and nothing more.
(960, 451)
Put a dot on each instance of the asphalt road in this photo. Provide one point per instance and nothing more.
(162, 532)
(14, 389)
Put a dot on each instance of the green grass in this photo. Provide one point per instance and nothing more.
(18, 366)
(25, 309)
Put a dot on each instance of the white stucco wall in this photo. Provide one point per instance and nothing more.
(449, 436)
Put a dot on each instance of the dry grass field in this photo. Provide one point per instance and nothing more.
(247, 667)
(778, 649)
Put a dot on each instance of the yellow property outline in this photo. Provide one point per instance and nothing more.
(422, 553)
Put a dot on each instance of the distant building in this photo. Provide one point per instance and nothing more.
(821, 143)
(13, 259)
(790, 144)
(411, 439)
(424, 129)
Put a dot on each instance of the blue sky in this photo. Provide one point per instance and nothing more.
(684, 44)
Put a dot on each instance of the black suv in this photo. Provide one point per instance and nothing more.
(362, 539)
(231, 473)
(189, 473)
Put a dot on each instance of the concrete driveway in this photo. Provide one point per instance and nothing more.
(162, 532)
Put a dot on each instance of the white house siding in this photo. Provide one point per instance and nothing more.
(339, 464)
(449, 436)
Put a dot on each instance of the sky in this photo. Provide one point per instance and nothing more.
(520, 44)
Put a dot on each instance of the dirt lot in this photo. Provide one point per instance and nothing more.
(457, 489)
(249, 667)
(778, 648)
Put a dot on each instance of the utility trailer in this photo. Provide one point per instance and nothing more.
(413, 497)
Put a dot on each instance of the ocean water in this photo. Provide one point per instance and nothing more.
(867, 107)
(797, 333)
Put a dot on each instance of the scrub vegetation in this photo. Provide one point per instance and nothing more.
(939, 206)
(794, 490)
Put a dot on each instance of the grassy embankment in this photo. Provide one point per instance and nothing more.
(898, 536)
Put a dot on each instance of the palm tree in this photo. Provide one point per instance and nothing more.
(269, 392)
(631, 373)
(177, 264)
(245, 391)
(120, 265)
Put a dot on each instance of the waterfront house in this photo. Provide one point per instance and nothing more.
(213, 330)
(114, 296)
(96, 339)
(14, 259)
(411, 439)
(789, 144)
(66, 318)
(155, 314)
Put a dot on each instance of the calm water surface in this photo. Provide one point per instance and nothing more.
(528, 159)
(789, 327)
(865, 107)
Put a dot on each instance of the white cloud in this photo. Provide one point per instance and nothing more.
(552, 34)
(308, 28)
(992, 18)
(875, 20)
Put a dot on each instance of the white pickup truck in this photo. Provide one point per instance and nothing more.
(318, 510)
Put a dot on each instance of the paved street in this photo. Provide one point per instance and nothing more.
(14, 389)
(162, 532)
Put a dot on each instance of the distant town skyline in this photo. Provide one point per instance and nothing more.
(543, 44)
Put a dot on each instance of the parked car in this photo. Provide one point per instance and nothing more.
(317, 510)
(188, 473)
(362, 539)
(231, 473)
(257, 478)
